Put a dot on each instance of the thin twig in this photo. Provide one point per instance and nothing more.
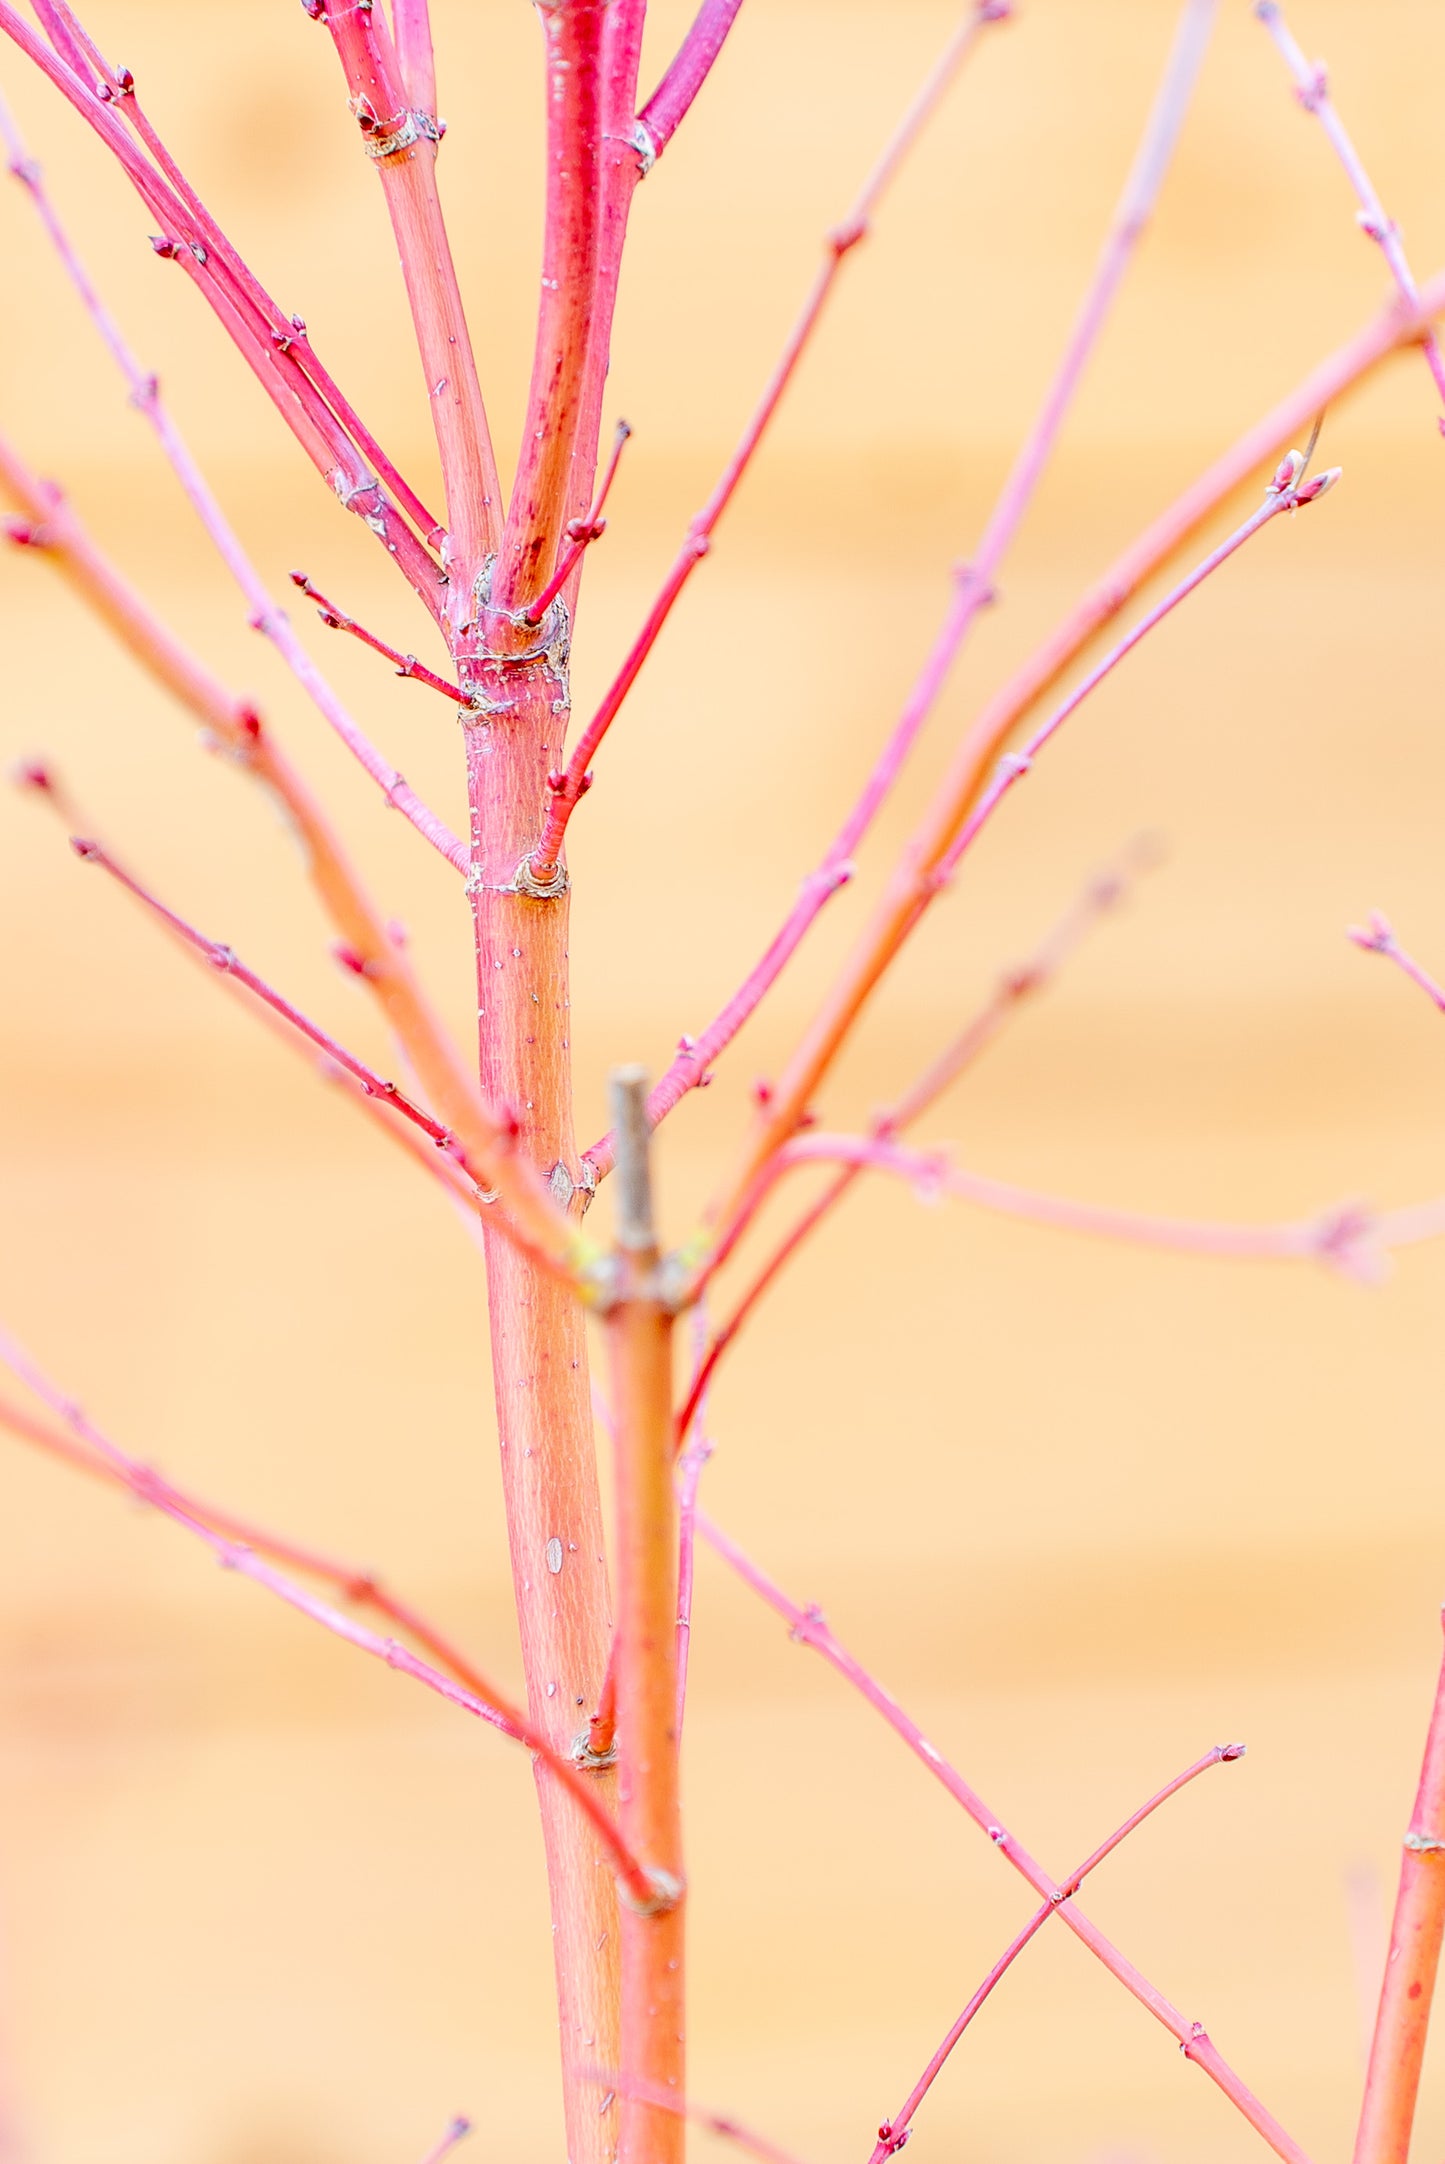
(1379, 938)
(581, 532)
(806, 1626)
(265, 616)
(1013, 989)
(335, 619)
(723, 2124)
(459, 2128)
(688, 70)
(974, 582)
(894, 2132)
(1312, 89)
(491, 1706)
(844, 238)
(695, 1449)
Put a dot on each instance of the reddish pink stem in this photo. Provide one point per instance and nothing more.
(696, 1450)
(720, 2123)
(225, 958)
(1379, 938)
(894, 2132)
(581, 532)
(265, 338)
(974, 583)
(406, 664)
(806, 1626)
(689, 69)
(1013, 988)
(265, 616)
(1312, 88)
(493, 1707)
(1286, 492)
(843, 239)
(411, 33)
(362, 1587)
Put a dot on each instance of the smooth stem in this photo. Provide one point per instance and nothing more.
(639, 1339)
(554, 445)
(1397, 2049)
(689, 69)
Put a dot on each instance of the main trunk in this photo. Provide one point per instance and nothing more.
(539, 1360)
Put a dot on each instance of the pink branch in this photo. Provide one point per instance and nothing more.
(581, 532)
(1287, 491)
(411, 33)
(406, 664)
(806, 1626)
(1312, 89)
(553, 437)
(459, 2128)
(1347, 1238)
(894, 2132)
(841, 242)
(1012, 990)
(227, 960)
(270, 342)
(362, 1587)
(1380, 939)
(974, 583)
(689, 69)
(265, 616)
(490, 1706)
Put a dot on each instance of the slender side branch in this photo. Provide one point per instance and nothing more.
(530, 1217)
(406, 664)
(894, 2132)
(1312, 89)
(688, 70)
(459, 2128)
(265, 616)
(491, 1706)
(570, 787)
(807, 1626)
(1397, 2049)
(912, 883)
(1014, 988)
(363, 1588)
(974, 581)
(1379, 938)
(269, 341)
(723, 2124)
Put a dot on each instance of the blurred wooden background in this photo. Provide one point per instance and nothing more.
(1086, 1510)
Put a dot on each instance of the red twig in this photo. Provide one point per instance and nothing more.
(266, 338)
(974, 582)
(841, 241)
(491, 1706)
(1014, 987)
(1312, 89)
(806, 1626)
(1379, 938)
(265, 616)
(225, 958)
(581, 532)
(688, 70)
(1397, 2049)
(406, 664)
(894, 2132)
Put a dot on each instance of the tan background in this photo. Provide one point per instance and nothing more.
(1088, 1511)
